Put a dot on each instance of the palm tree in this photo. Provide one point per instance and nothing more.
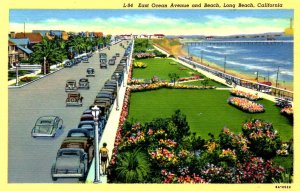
(46, 53)
(132, 167)
(173, 77)
(77, 43)
(205, 82)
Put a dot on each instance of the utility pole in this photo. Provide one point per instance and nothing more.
(277, 77)
(257, 76)
(225, 64)
(201, 56)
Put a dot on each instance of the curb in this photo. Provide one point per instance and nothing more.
(15, 87)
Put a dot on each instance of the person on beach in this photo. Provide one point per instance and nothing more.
(104, 158)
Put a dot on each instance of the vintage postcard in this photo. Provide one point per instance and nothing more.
(150, 95)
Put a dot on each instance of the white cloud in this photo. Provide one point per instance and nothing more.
(149, 24)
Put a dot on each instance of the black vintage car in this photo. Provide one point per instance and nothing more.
(84, 83)
(111, 61)
(90, 72)
(103, 64)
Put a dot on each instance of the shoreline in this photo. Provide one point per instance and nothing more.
(179, 51)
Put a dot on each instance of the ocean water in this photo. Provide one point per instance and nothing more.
(250, 58)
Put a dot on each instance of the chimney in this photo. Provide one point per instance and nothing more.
(12, 34)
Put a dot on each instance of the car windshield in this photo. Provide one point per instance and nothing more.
(87, 126)
(43, 129)
(45, 121)
(70, 154)
(78, 135)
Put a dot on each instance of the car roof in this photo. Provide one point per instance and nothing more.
(78, 130)
(84, 79)
(73, 93)
(46, 120)
(86, 122)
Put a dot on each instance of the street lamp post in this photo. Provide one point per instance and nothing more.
(17, 73)
(117, 98)
(44, 65)
(95, 113)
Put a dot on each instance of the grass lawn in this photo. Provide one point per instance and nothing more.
(210, 83)
(161, 67)
(207, 111)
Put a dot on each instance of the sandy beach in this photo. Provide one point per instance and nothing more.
(174, 47)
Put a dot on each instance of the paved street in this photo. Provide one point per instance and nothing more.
(29, 159)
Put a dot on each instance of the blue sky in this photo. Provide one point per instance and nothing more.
(206, 22)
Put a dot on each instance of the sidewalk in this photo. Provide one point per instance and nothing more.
(110, 131)
(221, 80)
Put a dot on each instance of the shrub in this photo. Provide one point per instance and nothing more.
(26, 79)
(264, 140)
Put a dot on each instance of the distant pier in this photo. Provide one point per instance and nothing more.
(197, 43)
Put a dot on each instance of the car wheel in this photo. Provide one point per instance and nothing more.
(54, 178)
(53, 135)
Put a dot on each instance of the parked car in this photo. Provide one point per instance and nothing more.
(84, 83)
(74, 99)
(70, 163)
(106, 94)
(117, 54)
(90, 126)
(112, 91)
(85, 59)
(90, 54)
(78, 133)
(70, 85)
(68, 64)
(86, 117)
(46, 126)
(85, 143)
(103, 64)
(90, 72)
(104, 104)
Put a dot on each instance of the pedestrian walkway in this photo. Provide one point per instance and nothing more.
(110, 130)
(221, 80)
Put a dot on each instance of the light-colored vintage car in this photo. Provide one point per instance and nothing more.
(46, 126)
(74, 99)
(70, 86)
(70, 163)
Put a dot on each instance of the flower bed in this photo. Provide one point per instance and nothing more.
(246, 105)
(243, 94)
(139, 65)
(129, 74)
(194, 77)
(147, 87)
